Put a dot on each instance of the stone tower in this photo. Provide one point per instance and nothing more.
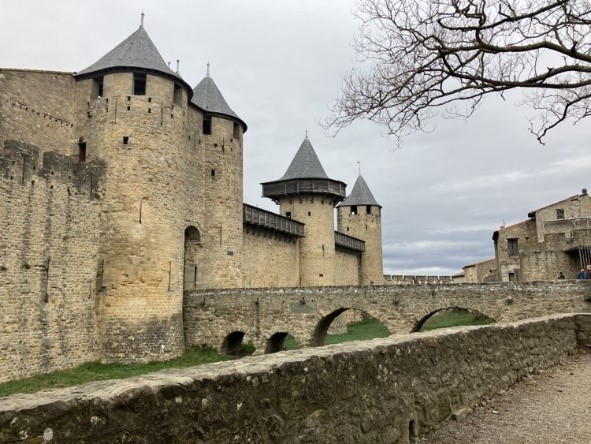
(171, 199)
(222, 172)
(305, 193)
(359, 215)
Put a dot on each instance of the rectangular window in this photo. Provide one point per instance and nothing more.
(236, 131)
(206, 124)
(97, 87)
(82, 152)
(512, 277)
(512, 247)
(178, 95)
(559, 213)
(353, 209)
(139, 84)
(288, 214)
(368, 209)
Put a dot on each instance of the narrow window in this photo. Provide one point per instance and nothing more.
(288, 214)
(512, 247)
(178, 95)
(353, 209)
(236, 130)
(139, 84)
(368, 209)
(309, 213)
(559, 213)
(206, 124)
(212, 173)
(82, 152)
(512, 277)
(125, 140)
(97, 87)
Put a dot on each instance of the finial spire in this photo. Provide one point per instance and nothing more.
(306, 134)
(359, 167)
(207, 73)
(178, 66)
(142, 20)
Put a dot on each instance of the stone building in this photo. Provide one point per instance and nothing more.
(121, 186)
(555, 238)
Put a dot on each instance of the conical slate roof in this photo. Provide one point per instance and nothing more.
(305, 164)
(360, 195)
(207, 96)
(135, 52)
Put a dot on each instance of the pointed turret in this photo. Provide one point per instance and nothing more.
(208, 97)
(305, 164)
(306, 193)
(359, 215)
(360, 195)
(136, 53)
(305, 175)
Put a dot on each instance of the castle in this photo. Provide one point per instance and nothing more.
(121, 188)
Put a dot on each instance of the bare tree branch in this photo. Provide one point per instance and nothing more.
(442, 57)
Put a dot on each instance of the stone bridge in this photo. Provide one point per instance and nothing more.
(226, 318)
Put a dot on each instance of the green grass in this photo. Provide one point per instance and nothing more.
(94, 371)
(290, 343)
(359, 331)
(455, 318)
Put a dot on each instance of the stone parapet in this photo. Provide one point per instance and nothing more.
(385, 390)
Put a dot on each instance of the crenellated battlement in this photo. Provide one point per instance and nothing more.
(19, 162)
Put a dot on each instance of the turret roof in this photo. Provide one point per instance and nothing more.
(305, 164)
(360, 195)
(136, 51)
(207, 96)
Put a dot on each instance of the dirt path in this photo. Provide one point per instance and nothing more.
(550, 408)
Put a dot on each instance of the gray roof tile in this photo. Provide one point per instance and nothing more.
(207, 96)
(360, 195)
(305, 164)
(136, 51)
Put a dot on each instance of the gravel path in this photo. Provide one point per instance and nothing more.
(550, 408)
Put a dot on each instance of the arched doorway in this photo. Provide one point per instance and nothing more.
(191, 268)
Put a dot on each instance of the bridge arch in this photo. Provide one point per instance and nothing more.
(321, 329)
(234, 345)
(277, 342)
(420, 323)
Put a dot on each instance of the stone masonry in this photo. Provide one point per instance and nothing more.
(382, 391)
(121, 188)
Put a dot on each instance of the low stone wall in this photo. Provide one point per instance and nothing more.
(384, 390)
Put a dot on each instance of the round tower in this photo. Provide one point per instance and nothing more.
(306, 194)
(132, 115)
(359, 215)
(219, 133)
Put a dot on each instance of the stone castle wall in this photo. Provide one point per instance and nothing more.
(36, 107)
(270, 260)
(386, 390)
(49, 245)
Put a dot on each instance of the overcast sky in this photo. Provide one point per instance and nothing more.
(279, 64)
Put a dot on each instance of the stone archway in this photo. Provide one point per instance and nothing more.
(276, 342)
(233, 344)
(471, 317)
(191, 266)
